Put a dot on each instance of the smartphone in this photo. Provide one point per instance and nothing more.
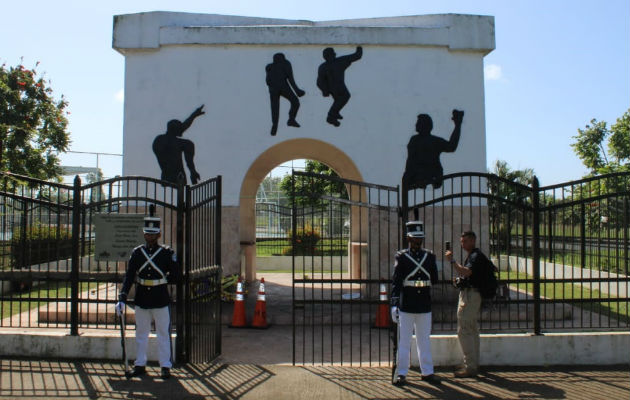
(447, 245)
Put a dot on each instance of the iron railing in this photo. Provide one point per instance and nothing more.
(562, 250)
(50, 277)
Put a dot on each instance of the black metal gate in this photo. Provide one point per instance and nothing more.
(344, 237)
(202, 332)
(50, 277)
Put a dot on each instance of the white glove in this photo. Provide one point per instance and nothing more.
(395, 314)
(120, 308)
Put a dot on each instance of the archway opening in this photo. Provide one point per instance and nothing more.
(285, 152)
(304, 226)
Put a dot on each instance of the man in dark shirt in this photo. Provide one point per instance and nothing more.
(281, 83)
(415, 271)
(471, 276)
(331, 80)
(423, 152)
(151, 267)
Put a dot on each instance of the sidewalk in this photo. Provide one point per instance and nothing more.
(54, 379)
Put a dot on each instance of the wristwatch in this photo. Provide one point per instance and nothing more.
(453, 261)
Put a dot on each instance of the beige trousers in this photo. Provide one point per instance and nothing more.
(468, 326)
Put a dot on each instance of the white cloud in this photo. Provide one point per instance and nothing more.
(492, 72)
(120, 95)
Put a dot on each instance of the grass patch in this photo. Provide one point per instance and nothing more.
(562, 291)
(282, 247)
(50, 290)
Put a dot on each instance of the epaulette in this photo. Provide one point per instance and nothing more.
(427, 250)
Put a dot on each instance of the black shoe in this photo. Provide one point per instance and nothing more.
(274, 129)
(138, 370)
(332, 121)
(166, 373)
(400, 380)
(293, 122)
(432, 379)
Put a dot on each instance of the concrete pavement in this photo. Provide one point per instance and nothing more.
(73, 379)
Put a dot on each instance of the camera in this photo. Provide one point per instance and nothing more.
(462, 283)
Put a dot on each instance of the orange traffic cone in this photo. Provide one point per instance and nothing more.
(260, 312)
(238, 316)
(382, 313)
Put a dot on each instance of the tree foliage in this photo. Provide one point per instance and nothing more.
(504, 205)
(602, 149)
(309, 190)
(32, 124)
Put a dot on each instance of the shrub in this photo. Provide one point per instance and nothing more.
(304, 242)
(40, 244)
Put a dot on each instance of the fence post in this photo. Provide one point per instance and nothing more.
(218, 225)
(218, 222)
(536, 253)
(74, 273)
(582, 236)
(179, 301)
(404, 211)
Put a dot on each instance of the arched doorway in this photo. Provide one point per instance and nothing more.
(291, 149)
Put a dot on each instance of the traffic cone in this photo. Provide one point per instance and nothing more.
(238, 316)
(260, 312)
(382, 312)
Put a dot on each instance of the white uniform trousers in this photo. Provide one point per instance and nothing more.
(422, 324)
(162, 319)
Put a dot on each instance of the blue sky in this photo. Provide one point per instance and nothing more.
(557, 64)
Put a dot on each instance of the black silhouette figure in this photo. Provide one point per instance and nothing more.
(423, 152)
(168, 148)
(331, 80)
(281, 83)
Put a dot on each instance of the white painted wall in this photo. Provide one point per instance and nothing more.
(425, 64)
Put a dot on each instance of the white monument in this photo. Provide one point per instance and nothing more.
(176, 62)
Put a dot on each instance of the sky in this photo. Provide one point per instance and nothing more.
(557, 65)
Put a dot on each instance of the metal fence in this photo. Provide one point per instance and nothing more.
(50, 277)
(561, 250)
(336, 289)
(274, 228)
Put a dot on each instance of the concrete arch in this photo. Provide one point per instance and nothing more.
(311, 149)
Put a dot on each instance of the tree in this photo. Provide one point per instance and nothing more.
(309, 190)
(32, 124)
(507, 204)
(604, 150)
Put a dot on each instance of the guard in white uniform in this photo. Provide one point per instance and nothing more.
(414, 273)
(151, 267)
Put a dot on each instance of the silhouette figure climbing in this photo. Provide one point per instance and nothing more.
(423, 152)
(331, 80)
(168, 148)
(281, 83)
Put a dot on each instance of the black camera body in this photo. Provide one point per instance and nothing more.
(462, 283)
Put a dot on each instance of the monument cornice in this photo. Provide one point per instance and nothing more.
(146, 31)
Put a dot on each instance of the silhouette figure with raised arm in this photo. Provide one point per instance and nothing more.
(423, 152)
(168, 148)
(281, 83)
(331, 80)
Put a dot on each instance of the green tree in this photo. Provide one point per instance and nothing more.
(32, 124)
(508, 193)
(603, 149)
(309, 190)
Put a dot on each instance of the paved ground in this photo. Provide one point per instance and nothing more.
(40, 379)
(263, 370)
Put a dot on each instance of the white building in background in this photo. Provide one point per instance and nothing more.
(176, 62)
